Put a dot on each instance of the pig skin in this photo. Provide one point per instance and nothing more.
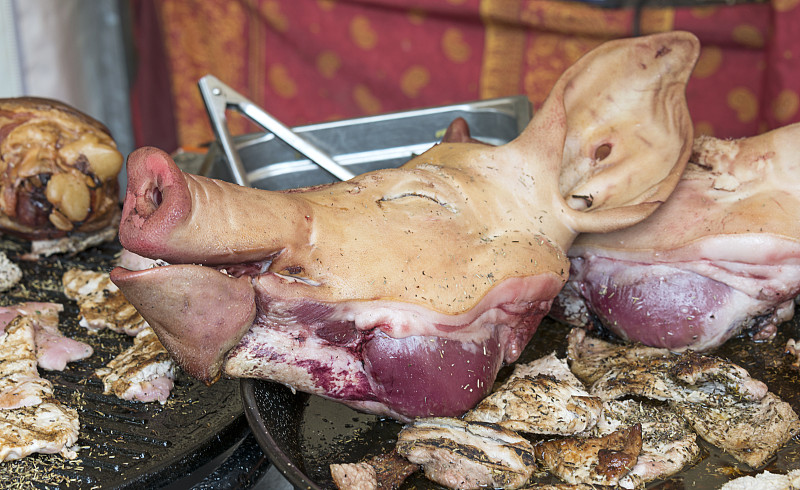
(720, 257)
(403, 291)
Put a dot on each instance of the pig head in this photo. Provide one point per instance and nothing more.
(403, 291)
(720, 257)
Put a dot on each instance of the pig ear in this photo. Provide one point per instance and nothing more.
(627, 134)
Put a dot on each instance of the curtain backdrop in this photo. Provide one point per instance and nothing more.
(315, 60)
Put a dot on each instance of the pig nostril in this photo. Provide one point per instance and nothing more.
(156, 197)
(602, 152)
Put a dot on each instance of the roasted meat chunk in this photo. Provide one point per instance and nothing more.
(58, 172)
(600, 460)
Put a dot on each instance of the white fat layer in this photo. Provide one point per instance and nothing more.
(288, 366)
(767, 272)
(502, 306)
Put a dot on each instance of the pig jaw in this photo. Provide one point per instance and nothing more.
(391, 358)
(198, 313)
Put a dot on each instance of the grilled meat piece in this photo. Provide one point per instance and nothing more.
(101, 303)
(385, 472)
(590, 358)
(751, 432)
(765, 481)
(31, 419)
(466, 455)
(53, 349)
(541, 397)
(593, 460)
(20, 383)
(10, 273)
(58, 171)
(354, 476)
(668, 442)
(143, 372)
(48, 428)
(719, 399)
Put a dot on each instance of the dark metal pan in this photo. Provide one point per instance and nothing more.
(303, 434)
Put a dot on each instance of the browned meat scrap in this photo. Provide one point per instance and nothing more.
(385, 472)
(668, 442)
(593, 460)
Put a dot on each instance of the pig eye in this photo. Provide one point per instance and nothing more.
(602, 152)
(417, 195)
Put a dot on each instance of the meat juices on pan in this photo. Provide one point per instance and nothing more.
(403, 291)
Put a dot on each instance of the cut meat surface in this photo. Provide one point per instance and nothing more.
(102, 304)
(467, 455)
(53, 349)
(144, 372)
(31, 419)
(592, 460)
(668, 442)
(541, 397)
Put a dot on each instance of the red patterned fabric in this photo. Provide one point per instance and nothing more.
(314, 60)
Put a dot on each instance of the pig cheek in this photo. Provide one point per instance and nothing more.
(420, 376)
(670, 311)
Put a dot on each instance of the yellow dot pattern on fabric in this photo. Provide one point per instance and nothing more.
(708, 63)
(272, 13)
(413, 80)
(366, 100)
(416, 17)
(744, 103)
(703, 128)
(455, 47)
(362, 33)
(281, 82)
(784, 5)
(703, 12)
(748, 36)
(326, 5)
(786, 105)
(328, 63)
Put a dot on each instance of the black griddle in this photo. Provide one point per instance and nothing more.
(304, 434)
(125, 444)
